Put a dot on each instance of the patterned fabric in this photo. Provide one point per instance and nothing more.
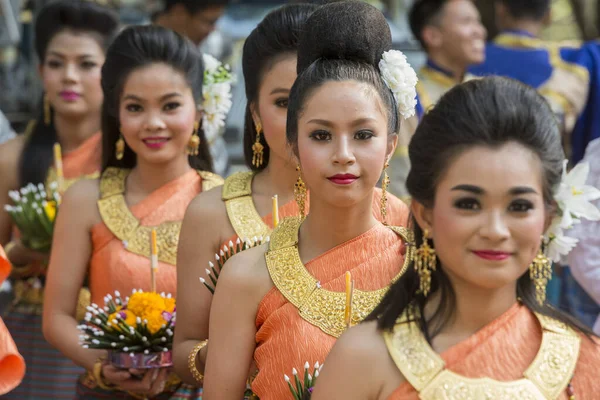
(49, 374)
(505, 348)
(185, 392)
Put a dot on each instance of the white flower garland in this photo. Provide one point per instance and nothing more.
(216, 92)
(573, 198)
(401, 79)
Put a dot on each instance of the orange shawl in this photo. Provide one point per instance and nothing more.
(12, 365)
(505, 348)
(113, 267)
(285, 340)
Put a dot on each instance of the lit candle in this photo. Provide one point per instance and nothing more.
(58, 166)
(275, 211)
(153, 259)
(348, 308)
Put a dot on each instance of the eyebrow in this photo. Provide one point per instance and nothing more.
(359, 121)
(280, 90)
(60, 55)
(163, 98)
(515, 191)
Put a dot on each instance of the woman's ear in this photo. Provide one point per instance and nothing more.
(423, 215)
(391, 146)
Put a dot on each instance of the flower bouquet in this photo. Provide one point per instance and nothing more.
(34, 213)
(136, 331)
(225, 254)
(216, 89)
(302, 389)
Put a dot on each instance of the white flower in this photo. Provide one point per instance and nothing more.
(559, 244)
(211, 64)
(401, 79)
(573, 196)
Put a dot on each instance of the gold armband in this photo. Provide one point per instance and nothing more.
(97, 373)
(192, 360)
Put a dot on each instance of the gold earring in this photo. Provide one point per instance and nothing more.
(194, 143)
(120, 148)
(384, 187)
(47, 111)
(300, 193)
(540, 272)
(425, 261)
(257, 148)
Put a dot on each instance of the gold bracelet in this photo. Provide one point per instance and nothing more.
(97, 372)
(192, 360)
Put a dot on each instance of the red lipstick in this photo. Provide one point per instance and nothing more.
(343, 179)
(69, 95)
(155, 142)
(492, 255)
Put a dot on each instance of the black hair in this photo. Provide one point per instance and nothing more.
(531, 9)
(137, 47)
(488, 112)
(194, 6)
(424, 13)
(276, 36)
(341, 41)
(83, 17)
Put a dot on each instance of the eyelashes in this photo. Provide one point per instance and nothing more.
(473, 204)
(322, 135)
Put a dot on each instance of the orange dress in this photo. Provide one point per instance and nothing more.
(121, 243)
(12, 365)
(83, 162)
(299, 320)
(506, 348)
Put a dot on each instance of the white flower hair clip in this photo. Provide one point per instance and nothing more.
(402, 79)
(573, 198)
(216, 92)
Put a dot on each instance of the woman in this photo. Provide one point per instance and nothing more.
(242, 208)
(155, 160)
(472, 312)
(12, 365)
(283, 305)
(70, 40)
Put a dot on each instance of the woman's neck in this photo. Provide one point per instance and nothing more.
(475, 307)
(148, 177)
(328, 226)
(72, 132)
(277, 178)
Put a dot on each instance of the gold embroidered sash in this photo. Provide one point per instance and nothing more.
(124, 225)
(547, 377)
(237, 195)
(320, 307)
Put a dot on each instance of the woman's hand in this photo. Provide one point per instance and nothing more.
(151, 384)
(18, 255)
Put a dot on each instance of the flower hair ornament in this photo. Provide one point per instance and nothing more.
(216, 91)
(573, 199)
(402, 79)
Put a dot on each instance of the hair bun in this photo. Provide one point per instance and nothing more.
(346, 30)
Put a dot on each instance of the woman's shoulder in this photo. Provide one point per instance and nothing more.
(82, 198)
(10, 153)
(207, 207)
(247, 271)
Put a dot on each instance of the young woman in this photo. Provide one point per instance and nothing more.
(70, 39)
(469, 318)
(283, 305)
(155, 160)
(242, 208)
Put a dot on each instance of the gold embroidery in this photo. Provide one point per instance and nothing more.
(210, 180)
(546, 377)
(237, 195)
(125, 226)
(320, 307)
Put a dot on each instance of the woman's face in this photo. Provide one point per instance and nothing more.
(272, 104)
(489, 215)
(157, 113)
(71, 74)
(343, 142)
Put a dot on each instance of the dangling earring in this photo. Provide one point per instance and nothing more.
(540, 272)
(425, 261)
(120, 147)
(384, 186)
(194, 143)
(257, 148)
(47, 111)
(300, 193)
